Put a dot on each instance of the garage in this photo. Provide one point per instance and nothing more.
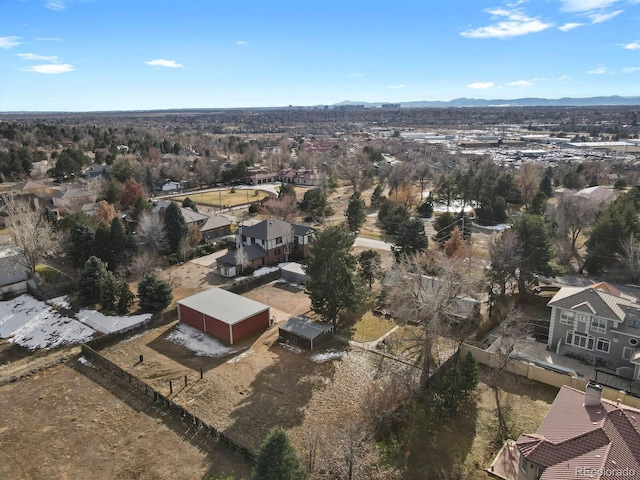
(224, 315)
(305, 333)
(292, 272)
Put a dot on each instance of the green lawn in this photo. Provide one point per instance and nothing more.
(364, 326)
(48, 274)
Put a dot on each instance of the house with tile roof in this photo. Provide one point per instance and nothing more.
(582, 436)
(600, 325)
(266, 243)
(212, 227)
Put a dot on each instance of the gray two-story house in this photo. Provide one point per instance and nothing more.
(600, 324)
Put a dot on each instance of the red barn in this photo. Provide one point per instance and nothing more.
(224, 315)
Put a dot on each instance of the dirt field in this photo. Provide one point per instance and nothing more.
(71, 422)
(287, 299)
(248, 393)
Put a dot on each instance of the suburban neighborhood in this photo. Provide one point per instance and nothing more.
(355, 299)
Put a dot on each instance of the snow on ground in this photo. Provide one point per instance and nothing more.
(260, 272)
(33, 324)
(237, 358)
(60, 302)
(498, 228)
(328, 355)
(198, 342)
(85, 362)
(107, 324)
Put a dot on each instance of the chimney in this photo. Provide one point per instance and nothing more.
(593, 395)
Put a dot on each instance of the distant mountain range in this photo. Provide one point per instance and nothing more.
(518, 102)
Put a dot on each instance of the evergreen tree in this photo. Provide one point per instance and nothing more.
(188, 203)
(377, 197)
(80, 246)
(534, 237)
(370, 266)
(411, 239)
(118, 239)
(92, 279)
(286, 189)
(124, 298)
(546, 185)
(333, 284)
(108, 291)
(425, 209)
(538, 203)
(153, 295)
(277, 459)
(175, 226)
(391, 216)
(468, 375)
(102, 243)
(356, 212)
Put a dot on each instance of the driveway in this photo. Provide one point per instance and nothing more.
(372, 244)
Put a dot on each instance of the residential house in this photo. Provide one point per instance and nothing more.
(72, 199)
(167, 186)
(598, 195)
(299, 177)
(599, 324)
(582, 436)
(266, 243)
(211, 227)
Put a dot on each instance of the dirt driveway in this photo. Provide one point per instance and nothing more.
(288, 299)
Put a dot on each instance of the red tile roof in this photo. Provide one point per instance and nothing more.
(574, 440)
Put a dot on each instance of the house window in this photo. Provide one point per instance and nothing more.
(244, 238)
(277, 251)
(278, 240)
(633, 342)
(539, 473)
(627, 353)
(582, 318)
(598, 325)
(523, 464)
(580, 339)
(603, 344)
(634, 323)
(566, 317)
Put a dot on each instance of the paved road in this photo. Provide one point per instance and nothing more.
(372, 244)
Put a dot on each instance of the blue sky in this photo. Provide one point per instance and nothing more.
(84, 55)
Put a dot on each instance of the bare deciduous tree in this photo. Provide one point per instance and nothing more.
(151, 232)
(241, 258)
(283, 208)
(573, 215)
(31, 232)
(505, 253)
(631, 256)
(144, 263)
(528, 181)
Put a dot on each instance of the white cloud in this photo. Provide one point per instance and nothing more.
(585, 5)
(569, 26)
(396, 86)
(632, 46)
(241, 42)
(33, 56)
(603, 17)
(56, 5)
(9, 42)
(563, 77)
(481, 85)
(521, 83)
(50, 69)
(160, 62)
(515, 24)
(631, 69)
(355, 75)
(597, 71)
(49, 39)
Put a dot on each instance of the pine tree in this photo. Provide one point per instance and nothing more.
(277, 459)
(468, 375)
(80, 246)
(175, 226)
(124, 297)
(102, 243)
(356, 212)
(118, 240)
(154, 295)
(90, 287)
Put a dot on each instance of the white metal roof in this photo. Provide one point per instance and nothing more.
(223, 305)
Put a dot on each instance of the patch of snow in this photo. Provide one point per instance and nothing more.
(290, 347)
(60, 302)
(108, 324)
(198, 342)
(498, 228)
(85, 362)
(259, 273)
(237, 358)
(328, 355)
(33, 324)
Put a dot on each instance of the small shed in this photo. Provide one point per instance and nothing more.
(224, 315)
(292, 272)
(305, 333)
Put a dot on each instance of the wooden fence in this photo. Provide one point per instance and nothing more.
(94, 357)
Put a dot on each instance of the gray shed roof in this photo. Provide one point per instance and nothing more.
(216, 221)
(223, 305)
(305, 328)
(253, 252)
(292, 267)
